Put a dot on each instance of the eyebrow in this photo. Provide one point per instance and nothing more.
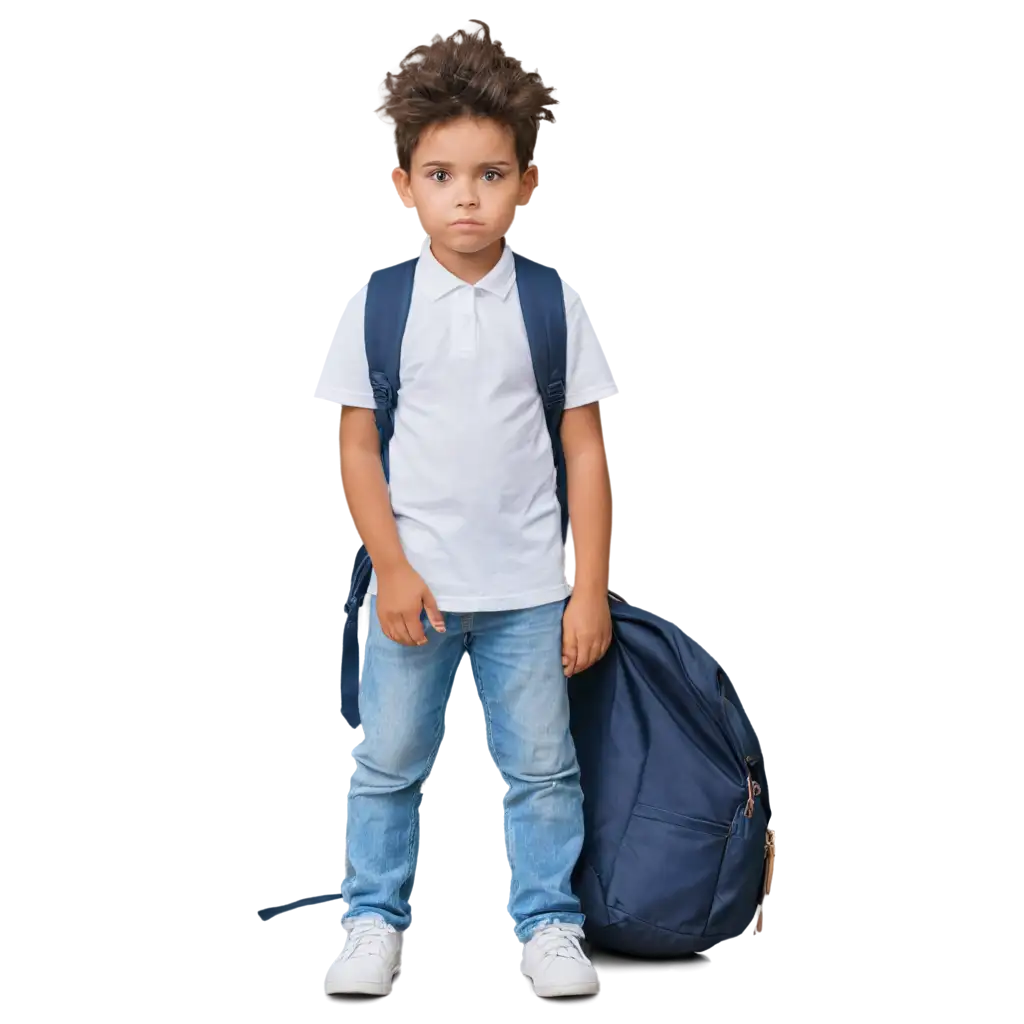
(448, 163)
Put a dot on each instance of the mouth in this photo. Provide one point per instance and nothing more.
(466, 223)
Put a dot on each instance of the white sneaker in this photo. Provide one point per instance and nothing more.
(556, 964)
(370, 960)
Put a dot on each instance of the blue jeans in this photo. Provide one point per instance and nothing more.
(516, 657)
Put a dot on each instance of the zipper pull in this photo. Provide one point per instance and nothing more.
(753, 789)
(760, 917)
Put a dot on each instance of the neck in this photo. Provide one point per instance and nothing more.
(470, 266)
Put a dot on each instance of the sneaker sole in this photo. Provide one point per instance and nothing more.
(576, 990)
(582, 988)
(361, 988)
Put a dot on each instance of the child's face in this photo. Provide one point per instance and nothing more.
(465, 168)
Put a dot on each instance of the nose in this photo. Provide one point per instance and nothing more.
(467, 199)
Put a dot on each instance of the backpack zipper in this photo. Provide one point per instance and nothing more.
(753, 789)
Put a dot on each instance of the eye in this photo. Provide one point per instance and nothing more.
(433, 174)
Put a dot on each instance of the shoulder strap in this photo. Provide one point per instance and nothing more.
(542, 301)
(388, 297)
(543, 304)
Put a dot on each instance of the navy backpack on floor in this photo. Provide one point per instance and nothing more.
(677, 853)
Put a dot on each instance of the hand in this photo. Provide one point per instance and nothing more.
(401, 597)
(586, 630)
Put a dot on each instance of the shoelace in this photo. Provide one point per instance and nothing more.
(559, 939)
(364, 937)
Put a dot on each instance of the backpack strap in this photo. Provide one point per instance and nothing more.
(543, 304)
(388, 297)
(389, 293)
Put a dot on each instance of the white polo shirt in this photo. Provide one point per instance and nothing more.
(472, 475)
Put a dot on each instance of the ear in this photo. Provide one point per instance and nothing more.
(401, 180)
(527, 184)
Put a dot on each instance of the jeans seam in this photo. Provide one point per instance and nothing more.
(413, 825)
(509, 845)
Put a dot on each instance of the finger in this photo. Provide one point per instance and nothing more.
(586, 656)
(434, 616)
(569, 656)
(398, 631)
(414, 627)
(385, 623)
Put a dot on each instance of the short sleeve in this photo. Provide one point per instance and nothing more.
(345, 378)
(588, 378)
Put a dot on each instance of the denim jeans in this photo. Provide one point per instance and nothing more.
(516, 658)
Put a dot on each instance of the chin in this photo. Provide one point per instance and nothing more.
(468, 241)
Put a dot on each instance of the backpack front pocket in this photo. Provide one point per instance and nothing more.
(666, 868)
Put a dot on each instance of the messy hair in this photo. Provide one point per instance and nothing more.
(465, 75)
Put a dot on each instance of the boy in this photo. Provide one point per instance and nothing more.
(467, 545)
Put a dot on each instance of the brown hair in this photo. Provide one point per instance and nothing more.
(453, 77)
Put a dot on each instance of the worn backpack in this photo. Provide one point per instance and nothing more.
(677, 853)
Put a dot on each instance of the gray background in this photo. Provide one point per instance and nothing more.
(183, 197)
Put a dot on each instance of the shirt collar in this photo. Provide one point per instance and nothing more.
(434, 280)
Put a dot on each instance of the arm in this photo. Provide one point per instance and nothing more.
(366, 490)
(586, 624)
(588, 381)
(401, 591)
(590, 497)
(343, 384)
